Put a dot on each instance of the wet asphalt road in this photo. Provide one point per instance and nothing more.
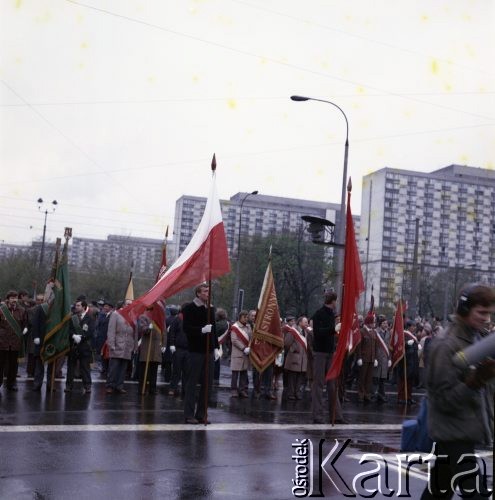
(131, 446)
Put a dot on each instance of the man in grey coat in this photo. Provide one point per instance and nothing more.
(122, 339)
(458, 413)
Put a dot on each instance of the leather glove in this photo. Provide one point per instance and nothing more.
(410, 342)
(140, 342)
(163, 349)
(76, 338)
(216, 354)
(24, 331)
(206, 329)
(247, 350)
(359, 362)
(389, 363)
(375, 363)
(37, 341)
(172, 349)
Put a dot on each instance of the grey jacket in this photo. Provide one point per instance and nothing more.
(455, 411)
(122, 338)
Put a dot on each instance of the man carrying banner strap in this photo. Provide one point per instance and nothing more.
(239, 360)
(296, 360)
(13, 323)
(383, 358)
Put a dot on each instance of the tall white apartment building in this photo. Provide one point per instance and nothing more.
(261, 215)
(416, 224)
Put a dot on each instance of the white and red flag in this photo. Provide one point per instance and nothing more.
(205, 258)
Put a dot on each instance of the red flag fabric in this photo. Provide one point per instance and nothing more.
(353, 286)
(397, 338)
(204, 258)
(267, 340)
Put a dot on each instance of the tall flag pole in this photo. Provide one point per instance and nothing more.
(353, 286)
(267, 340)
(205, 258)
(56, 340)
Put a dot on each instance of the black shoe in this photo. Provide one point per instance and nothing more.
(12, 388)
(341, 421)
(68, 389)
(192, 421)
(36, 388)
(318, 421)
(87, 390)
(411, 402)
(202, 421)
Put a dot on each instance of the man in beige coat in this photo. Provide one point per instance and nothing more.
(296, 359)
(122, 341)
(240, 335)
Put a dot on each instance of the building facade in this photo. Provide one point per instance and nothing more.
(417, 227)
(262, 215)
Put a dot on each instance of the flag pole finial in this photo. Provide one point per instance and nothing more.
(213, 163)
(349, 185)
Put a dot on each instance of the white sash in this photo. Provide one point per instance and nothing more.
(301, 339)
(382, 344)
(240, 334)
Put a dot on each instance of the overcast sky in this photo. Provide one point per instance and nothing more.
(114, 108)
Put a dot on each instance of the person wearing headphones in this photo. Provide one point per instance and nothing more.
(458, 399)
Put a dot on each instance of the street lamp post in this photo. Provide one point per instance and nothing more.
(40, 205)
(235, 300)
(339, 261)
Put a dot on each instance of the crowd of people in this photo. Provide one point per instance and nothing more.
(198, 338)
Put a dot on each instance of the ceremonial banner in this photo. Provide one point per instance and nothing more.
(205, 258)
(56, 341)
(267, 340)
(353, 286)
(397, 338)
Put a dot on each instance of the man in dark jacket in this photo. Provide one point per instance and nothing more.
(199, 326)
(81, 331)
(323, 349)
(179, 349)
(458, 411)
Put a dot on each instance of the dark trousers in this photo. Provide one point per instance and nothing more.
(262, 383)
(30, 364)
(365, 380)
(8, 363)
(39, 373)
(196, 376)
(402, 384)
(239, 381)
(321, 365)
(150, 376)
(117, 368)
(294, 383)
(180, 369)
(447, 467)
(84, 368)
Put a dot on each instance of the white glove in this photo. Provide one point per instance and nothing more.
(216, 354)
(359, 362)
(24, 331)
(163, 349)
(420, 347)
(206, 329)
(139, 342)
(172, 349)
(85, 328)
(375, 363)
(150, 326)
(410, 342)
(247, 351)
(37, 341)
(389, 363)
(220, 350)
(76, 338)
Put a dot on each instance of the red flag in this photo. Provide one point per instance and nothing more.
(397, 338)
(204, 258)
(267, 339)
(353, 286)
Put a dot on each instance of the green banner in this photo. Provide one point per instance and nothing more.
(56, 341)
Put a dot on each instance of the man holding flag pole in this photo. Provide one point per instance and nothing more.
(204, 259)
